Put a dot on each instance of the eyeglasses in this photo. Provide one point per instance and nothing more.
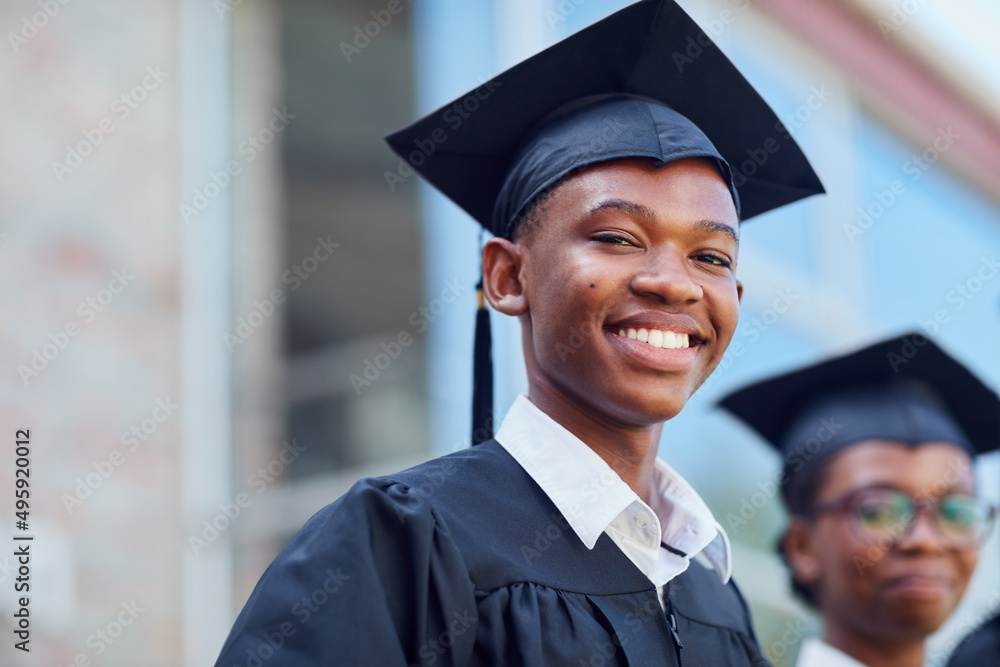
(884, 515)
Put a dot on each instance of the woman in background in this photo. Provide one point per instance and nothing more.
(885, 527)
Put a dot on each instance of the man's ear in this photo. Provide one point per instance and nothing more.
(502, 283)
(798, 548)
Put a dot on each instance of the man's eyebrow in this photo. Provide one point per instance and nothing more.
(718, 228)
(640, 211)
(629, 207)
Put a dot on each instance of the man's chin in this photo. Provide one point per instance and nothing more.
(651, 410)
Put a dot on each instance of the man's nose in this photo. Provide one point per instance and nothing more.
(667, 275)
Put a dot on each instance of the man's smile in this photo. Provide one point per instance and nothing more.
(668, 340)
(676, 351)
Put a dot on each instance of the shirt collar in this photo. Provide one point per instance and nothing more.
(687, 523)
(817, 653)
(589, 494)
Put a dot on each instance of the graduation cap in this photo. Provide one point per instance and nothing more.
(905, 389)
(644, 82)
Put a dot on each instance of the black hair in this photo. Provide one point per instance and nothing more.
(527, 221)
(799, 493)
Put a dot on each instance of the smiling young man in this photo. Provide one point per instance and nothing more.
(564, 540)
(639, 261)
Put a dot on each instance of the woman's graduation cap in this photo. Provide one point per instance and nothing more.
(904, 389)
(644, 82)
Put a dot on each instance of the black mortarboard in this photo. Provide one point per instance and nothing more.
(650, 50)
(644, 82)
(904, 389)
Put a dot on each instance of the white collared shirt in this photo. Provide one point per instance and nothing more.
(594, 499)
(817, 653)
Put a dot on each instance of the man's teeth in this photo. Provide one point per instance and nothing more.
(666, 339)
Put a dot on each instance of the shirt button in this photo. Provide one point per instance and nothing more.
(641, 519)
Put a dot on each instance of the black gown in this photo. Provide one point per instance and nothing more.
(980, 648)
(464, 560)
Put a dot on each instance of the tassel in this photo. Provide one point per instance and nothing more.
(482, 373)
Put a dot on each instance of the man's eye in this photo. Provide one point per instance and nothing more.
(613, 239)
(714, 260)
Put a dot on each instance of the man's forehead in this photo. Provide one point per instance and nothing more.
(639, 187)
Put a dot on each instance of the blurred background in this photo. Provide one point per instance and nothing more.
(211, 260)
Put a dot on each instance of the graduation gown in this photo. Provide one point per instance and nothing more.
(464, 560)
(980, 648)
